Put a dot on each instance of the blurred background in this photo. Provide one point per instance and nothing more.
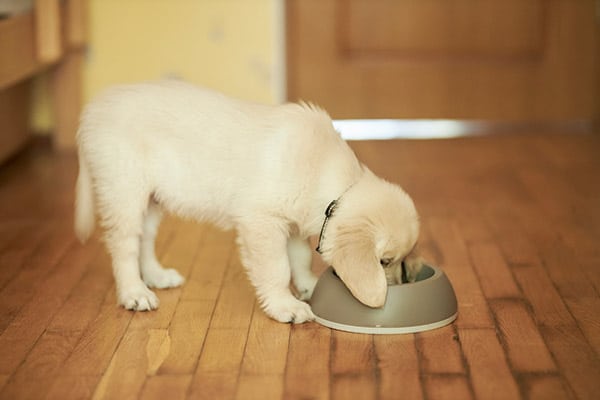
(503, 61)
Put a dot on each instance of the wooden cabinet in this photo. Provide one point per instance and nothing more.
(49, 37)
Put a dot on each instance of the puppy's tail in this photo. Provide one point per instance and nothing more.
(84, 202)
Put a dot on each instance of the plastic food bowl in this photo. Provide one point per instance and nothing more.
(428, 303)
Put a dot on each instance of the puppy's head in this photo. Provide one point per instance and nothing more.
(375, 224)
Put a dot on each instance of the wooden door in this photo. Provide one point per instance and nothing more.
(506, 60)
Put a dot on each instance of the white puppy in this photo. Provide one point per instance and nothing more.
(267, 171)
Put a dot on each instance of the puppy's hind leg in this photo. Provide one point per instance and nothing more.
(153, 274)
(300, 255)
(122, 216)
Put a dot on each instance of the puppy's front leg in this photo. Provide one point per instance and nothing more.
(300, 256)
(263, 250)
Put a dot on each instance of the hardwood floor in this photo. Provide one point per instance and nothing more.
(514, 220)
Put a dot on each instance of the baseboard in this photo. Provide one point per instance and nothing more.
(381, 129)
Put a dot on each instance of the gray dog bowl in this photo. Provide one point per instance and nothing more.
(425, 304)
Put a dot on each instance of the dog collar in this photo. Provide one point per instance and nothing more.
(328, 213)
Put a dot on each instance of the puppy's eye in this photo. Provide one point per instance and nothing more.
(385, 262)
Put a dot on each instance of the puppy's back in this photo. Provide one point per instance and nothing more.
(166, 106)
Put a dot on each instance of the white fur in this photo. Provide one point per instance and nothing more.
(267, 171)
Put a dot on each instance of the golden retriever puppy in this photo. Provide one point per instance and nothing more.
(269, 172)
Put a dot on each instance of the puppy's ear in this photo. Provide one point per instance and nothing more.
(358, 267)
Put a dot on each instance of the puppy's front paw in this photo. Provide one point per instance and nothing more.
(306, 286)
(288, 309)
(162, 278)
(138, 298)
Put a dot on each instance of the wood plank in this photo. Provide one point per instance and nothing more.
(47, 356)
(158, 348)
(353, 386)
(160, 387)
(16, 254)
(72, 387)
(446, 387)
(307, 371)
(29, 324)
(43, 260)
(223, 351)
(42, 364)
(553, 207)
(590, 266)
(352, 366)
(571, 282)
(473, 310)
(234, 306)
(97, 345)
(475, 229)
(495, 277)
(3, 380)
(87, 297)
(187, 331)
(439, 351)
(517, 249)
(398, 367)
(575, 359)
(213, 385)
(259, 387)
(310, 386)
(490, 374)
(208, 271)
(352, 353)
(120, 380)
(525, 347)
(548, 307)
(267, 346)
(585, 310)
(546, 387)
(26, 390)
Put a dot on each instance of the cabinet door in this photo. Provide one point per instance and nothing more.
(505, 60)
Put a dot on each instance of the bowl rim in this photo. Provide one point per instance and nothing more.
(390, 330)
(437, 273)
